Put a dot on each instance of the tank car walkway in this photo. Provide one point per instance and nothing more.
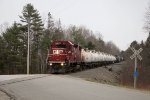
(64, 87)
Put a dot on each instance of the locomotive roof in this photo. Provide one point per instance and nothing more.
(63, 41)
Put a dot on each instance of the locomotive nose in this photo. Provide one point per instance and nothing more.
(57, 55)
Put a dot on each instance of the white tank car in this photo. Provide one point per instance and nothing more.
(84, 58)
(100, 56)
(93, 56)
(86, 55)
(114, 58)
(103, 56)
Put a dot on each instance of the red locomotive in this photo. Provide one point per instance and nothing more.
(63, 56)
(66, 56)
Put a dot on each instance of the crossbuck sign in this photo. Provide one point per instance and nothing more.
(136, 53)
(135, 56)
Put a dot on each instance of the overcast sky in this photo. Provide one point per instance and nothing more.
(120, 21)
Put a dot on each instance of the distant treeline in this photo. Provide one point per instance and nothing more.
(13, 41)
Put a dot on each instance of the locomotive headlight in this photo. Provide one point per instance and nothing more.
(62, 64)
(50, 64)
(57, 52)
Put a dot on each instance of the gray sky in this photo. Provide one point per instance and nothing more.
(120, 21)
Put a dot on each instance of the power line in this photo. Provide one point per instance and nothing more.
(71, 4)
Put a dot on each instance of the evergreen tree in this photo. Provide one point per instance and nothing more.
(90, 45)
(46, 40)
(148, 41)
(58, 32)
(31, 15)
(2, 56)
(14, 52)
(77, 36)
(146, 52)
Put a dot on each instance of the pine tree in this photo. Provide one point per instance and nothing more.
(31, 15)
(147, 51)
(13, 49)
(148, 41)
(58, 32)
(50, 24)
(90, 45)
(2, 55)
(46, 41)
(77, 36)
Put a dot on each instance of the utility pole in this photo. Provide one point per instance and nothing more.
(28, 51)
(135, 56)
(135, 71)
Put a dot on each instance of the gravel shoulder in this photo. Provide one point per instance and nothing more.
(110, 74)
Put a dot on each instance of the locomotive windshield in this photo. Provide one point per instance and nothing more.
(60, 46)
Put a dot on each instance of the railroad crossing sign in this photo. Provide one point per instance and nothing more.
(136, 55)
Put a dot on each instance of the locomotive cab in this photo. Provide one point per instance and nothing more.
(62, 54)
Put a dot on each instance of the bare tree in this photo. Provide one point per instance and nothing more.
(113, 49)
(147, 19)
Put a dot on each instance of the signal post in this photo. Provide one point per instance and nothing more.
(135, 56)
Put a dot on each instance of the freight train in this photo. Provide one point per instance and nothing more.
(65, 56)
